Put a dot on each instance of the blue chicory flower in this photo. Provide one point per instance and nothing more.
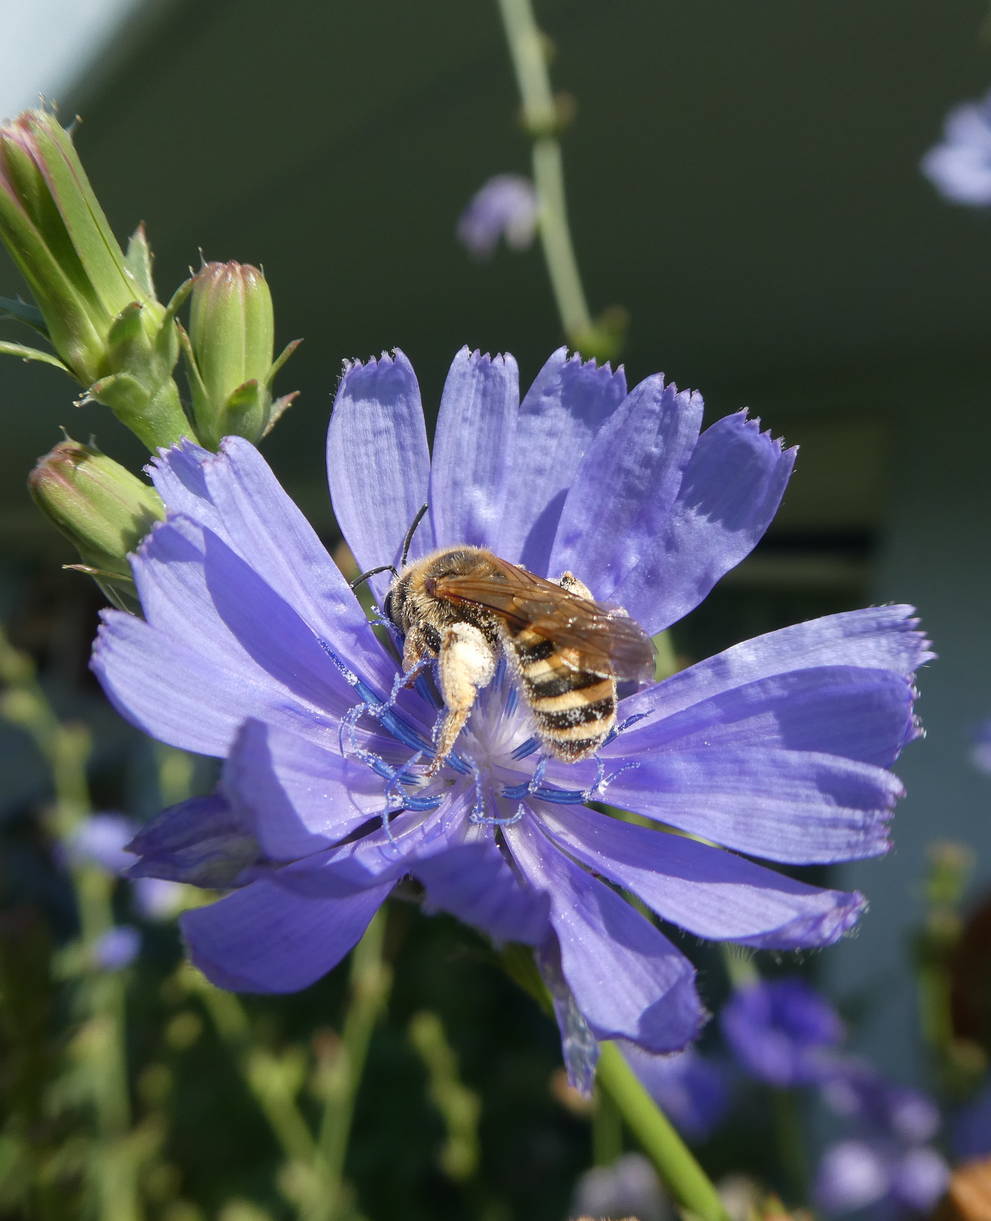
(117, 948)
(102, 839)
(255, 650)
(971, 1128)
(960, 167)
(888, 1163)
(980, 751)
(505, 207)
(783, 1032)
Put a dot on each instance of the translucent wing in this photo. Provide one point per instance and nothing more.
(587, 635)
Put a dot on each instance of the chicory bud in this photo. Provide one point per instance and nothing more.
(102, 509)
(97, 305)
(229, 352)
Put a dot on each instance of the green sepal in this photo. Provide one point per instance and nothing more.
(36, 354)
(23, 311)
(121, 392)
(119, 591)
(280, 360)
(156, 417)
(138, 261)
(278, 409)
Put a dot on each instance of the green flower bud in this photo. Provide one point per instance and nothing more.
(97, 305)
(102, 509)
(229, 353)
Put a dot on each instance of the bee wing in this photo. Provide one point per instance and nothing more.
(606, 640)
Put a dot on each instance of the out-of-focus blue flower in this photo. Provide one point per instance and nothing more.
(861, 1094)
(888, 1161)
(628, 1188)
(117, 948)
(960, 167)
(783, 1032)
(255, 650)
(694, 1092)
(855, 1174)
(970, 1132)
(102, 840)
(505, 207)
(980, 753)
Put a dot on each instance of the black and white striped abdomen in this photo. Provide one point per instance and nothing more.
(574, 709)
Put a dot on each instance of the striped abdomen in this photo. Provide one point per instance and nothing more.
(574, 709)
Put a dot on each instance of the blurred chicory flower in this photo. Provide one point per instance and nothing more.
(117, 948)
(783, 1032)
(960, 167)
(505, 207)
(888, 1163)
(102, 840)
(628, 1188)
(980, 752)
(255, 650)
(97, 305)
(971, 1127)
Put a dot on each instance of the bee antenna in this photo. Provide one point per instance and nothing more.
(371, 573)
(410, 532)
(406, 546)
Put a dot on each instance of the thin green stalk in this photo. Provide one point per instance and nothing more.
(102, 995)
(673, 1160)
(788, 1132)
(541, 117)
(607, 1130)
(276, 1103)
(370, 981)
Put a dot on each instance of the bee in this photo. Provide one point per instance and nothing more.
(467, 608)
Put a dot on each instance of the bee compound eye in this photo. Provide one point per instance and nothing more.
(387, 607)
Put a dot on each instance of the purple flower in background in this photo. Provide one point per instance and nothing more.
(628, 1188)
(255, 650)
(960, 167)
(888, 1162)
(505, 207)
(117, 948)
(980, 753)
(971, 1128)
(692, 1091)
(783, 1032)
(102, 840)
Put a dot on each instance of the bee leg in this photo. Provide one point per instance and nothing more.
(467, 662)
(568, 581)
(415, 649)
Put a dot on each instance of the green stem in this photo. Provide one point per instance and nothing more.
(369, 985)
(101, 996)
(788, 1129)
(541, 117)
(674, 1162)
(607, 1130)
(276, 1104)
